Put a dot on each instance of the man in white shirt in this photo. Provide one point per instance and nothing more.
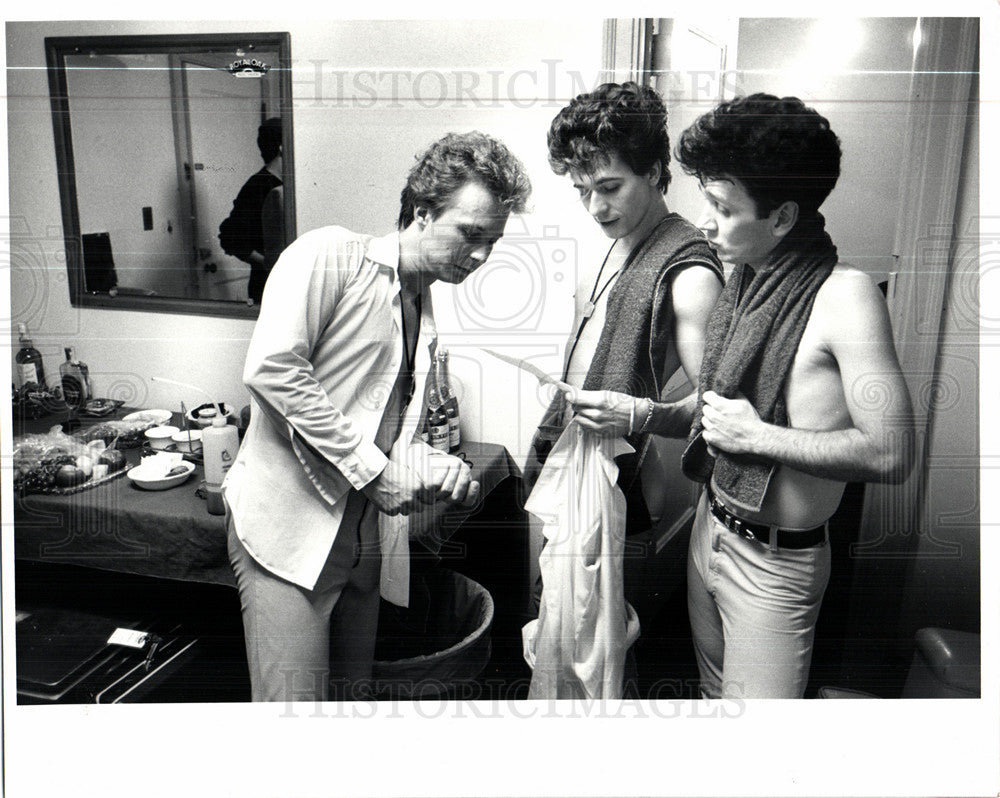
(329, 467)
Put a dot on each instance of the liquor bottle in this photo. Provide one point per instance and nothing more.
(449, 401)
(29, 368)
(437, 419)
(75, 380)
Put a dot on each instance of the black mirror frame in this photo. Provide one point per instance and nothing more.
(58, 46)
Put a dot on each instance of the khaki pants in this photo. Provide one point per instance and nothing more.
(753, 611)
(300, 642)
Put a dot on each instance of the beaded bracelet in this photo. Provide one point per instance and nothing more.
(649, 416)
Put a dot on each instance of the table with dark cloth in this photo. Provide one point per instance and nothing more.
(116, 526)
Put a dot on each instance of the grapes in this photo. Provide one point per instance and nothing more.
(42, 476)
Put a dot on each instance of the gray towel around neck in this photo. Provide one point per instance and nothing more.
(753, 334)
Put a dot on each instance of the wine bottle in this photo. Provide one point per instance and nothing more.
(422, 432)
(437, 419)
(28, 360)
(449, 401)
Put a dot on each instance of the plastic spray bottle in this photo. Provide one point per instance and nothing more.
(219, 444)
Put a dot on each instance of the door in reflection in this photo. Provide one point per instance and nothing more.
(223, 113)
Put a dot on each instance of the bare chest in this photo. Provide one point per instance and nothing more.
(814, 392)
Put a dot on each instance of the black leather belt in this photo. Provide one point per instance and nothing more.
(787, 538)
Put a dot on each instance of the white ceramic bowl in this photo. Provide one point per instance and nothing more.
(143, 479)
(187, 440)
(152, 417)
(160, 437)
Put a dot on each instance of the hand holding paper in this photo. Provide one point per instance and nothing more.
(607, 413)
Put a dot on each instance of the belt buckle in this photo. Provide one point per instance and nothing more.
(733, 524)
(740, 528)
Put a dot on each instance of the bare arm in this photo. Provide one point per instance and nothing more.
(695, 292)
(877, 445)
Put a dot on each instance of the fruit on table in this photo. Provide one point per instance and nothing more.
(85, 464)
(113, 459)
(69, 475)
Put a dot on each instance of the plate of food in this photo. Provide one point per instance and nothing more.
(98, 408)
(54, 462)
(152, 417)
(149, 477)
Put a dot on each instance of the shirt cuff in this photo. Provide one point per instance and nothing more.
(357, 468)
(363, 465)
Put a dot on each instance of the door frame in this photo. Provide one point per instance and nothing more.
(895, 517)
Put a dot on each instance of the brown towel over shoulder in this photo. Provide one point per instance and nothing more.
(752, 337)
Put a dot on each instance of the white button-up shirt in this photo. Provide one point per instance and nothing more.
(325, 353)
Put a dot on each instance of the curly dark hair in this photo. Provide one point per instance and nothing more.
(625, 118)
(779, 149)
(269, 139)
(455, 160)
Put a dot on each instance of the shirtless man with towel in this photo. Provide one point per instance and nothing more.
(796, 348)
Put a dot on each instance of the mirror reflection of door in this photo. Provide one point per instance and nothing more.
(222, 113)
(121, 116)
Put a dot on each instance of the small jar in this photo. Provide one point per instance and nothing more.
(187, 440)
(160, 438)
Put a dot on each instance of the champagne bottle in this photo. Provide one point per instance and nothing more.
(75, 380)
(29, 368)
(437, 419)
(422, 432)
(449, 401)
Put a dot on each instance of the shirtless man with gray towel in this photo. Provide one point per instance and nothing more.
(797, 347)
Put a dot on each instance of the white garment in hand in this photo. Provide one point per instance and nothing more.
(576, 647)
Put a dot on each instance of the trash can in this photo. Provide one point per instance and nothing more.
(439, 642)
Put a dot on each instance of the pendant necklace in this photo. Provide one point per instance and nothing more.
(591, 305)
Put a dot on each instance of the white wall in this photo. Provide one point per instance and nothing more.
(856, 73)
(367, 97)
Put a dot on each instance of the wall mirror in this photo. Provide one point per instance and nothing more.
(155, 138)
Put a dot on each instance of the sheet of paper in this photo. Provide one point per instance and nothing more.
(531, 368)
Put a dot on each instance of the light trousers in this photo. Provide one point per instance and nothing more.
(753, 611)
(314, 645)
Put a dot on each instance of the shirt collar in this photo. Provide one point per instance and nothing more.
(384, 251)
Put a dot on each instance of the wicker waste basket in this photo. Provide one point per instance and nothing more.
(441, 641)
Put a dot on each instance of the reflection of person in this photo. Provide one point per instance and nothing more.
(796, 347)
(646, 310)
(254, 230)
(330, 453)
(272, 229)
